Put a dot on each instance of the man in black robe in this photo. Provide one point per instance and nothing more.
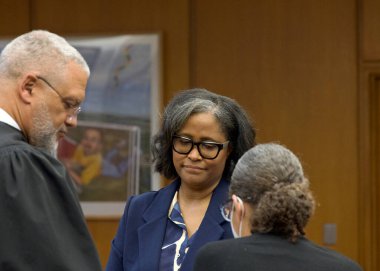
(42, 227)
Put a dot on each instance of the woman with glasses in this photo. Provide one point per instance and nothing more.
(201, 138)
(270, 206)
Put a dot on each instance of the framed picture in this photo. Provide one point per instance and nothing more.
(121, 105)
(103, 160)
(122, 101)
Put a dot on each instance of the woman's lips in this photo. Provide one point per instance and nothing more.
(193, 168)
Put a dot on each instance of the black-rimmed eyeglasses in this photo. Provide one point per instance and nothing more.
(206, 149)
(72, 110)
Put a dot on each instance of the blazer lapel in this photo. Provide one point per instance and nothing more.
(211, 228)
(152, 233)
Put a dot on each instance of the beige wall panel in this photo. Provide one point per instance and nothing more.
(103, 231)
(370, 29)
(14, 17)
(292, 65)
(369, 184)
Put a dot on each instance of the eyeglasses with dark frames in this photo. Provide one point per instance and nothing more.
(207, 149)
(72, 110)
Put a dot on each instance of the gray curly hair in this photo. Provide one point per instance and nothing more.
(270, 177)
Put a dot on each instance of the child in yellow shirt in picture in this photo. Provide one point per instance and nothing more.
(86, 162)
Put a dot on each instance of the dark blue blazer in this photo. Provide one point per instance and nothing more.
(138, 241)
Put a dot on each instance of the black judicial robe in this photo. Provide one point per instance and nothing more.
(42, 226)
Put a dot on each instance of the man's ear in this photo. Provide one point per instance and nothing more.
(27, 87)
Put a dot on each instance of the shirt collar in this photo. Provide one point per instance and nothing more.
(175, 214)
(173, 204)
(6, 118)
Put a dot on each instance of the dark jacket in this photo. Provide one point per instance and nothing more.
(267, 252)
(138, 242)
(42, 226)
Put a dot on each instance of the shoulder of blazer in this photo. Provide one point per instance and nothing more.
(153, 204)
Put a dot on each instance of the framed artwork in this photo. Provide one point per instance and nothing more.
(122, 101)
(122, 106)
(103, 160)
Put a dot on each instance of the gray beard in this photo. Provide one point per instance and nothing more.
(43, 134)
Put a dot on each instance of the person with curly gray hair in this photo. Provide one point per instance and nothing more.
(270, 205)
(202, 136)
(42, 84)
